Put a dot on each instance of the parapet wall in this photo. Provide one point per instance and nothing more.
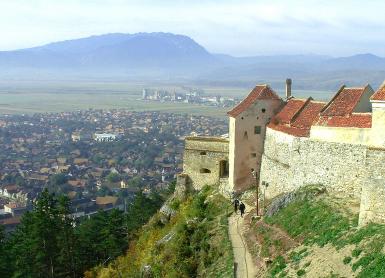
(290, 162)
(203, 159)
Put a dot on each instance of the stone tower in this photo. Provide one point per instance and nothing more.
(247, 128)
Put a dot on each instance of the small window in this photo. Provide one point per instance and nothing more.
(241, 118)
(253, 155)
(245, 136)
(257, 129)
(263, 110)
(204, 171)
(203, 153)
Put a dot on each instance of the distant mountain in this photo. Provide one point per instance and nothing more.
(114, 51)
(360, 61)
(170, 57)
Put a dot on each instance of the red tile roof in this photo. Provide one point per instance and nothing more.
(297, 117)
(259, 92)
(344, 102)
(308, 115)
(289, 110)
(380, 94)
(359, 120)
(298, 132)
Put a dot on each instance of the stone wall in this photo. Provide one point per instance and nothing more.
(202, 160)
(372, 207)
(289, 162)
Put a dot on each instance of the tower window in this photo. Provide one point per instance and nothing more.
(257, 129)
(245, 136)
(253, 155)
(204, 171)
(203, 153)
(263, 110)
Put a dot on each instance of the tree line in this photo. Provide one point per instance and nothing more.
(50, 243)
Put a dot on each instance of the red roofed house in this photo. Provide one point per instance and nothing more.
(247, 132)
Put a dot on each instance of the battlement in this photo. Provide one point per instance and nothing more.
(211, 144)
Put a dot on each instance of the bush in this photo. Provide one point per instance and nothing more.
(347, 260)
(277, 266)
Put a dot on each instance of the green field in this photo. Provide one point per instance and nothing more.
(18, 97)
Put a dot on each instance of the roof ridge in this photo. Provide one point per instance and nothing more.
(378, 92)
(256, 93)
(296, 114)
(333, 98)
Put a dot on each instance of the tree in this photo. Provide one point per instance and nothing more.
(58, 179)
(5, 269)
(101, 238)
(43, 245)
(113, 177)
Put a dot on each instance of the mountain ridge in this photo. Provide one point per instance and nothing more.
(167, 56)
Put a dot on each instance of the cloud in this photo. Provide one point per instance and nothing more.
(236, 27)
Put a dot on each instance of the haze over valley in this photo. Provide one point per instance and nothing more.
(178, 59)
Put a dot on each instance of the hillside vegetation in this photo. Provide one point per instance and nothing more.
(318, 237)
(193, 242)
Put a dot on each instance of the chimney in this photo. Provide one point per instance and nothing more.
(288, 88)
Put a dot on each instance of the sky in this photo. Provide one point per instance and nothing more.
(239, 28)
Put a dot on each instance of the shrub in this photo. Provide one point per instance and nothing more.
(347, 260)
(277, 266)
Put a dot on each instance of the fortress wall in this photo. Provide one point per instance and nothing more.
(372, 207)
(289, 163)
(204, 153)
(337, 166)
(277, 159)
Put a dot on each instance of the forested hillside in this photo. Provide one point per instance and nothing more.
(193, 242)
(49, 243)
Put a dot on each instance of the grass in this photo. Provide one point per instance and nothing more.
(314, 221)
(200, 245)
(277, 266)
(296, 257)
(28, 97)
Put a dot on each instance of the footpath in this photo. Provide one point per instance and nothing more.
(244, 266)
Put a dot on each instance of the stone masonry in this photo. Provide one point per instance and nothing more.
(205, 160)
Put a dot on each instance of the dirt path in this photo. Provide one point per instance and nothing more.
(244, 263)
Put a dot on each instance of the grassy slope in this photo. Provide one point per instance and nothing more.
(200, 245)
(315, 223)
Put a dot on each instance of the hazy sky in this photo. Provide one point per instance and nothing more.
(243, 27)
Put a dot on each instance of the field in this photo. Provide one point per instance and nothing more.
(18, 97)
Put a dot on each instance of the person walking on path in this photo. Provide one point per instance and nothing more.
(242, 208)
(236, 205)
